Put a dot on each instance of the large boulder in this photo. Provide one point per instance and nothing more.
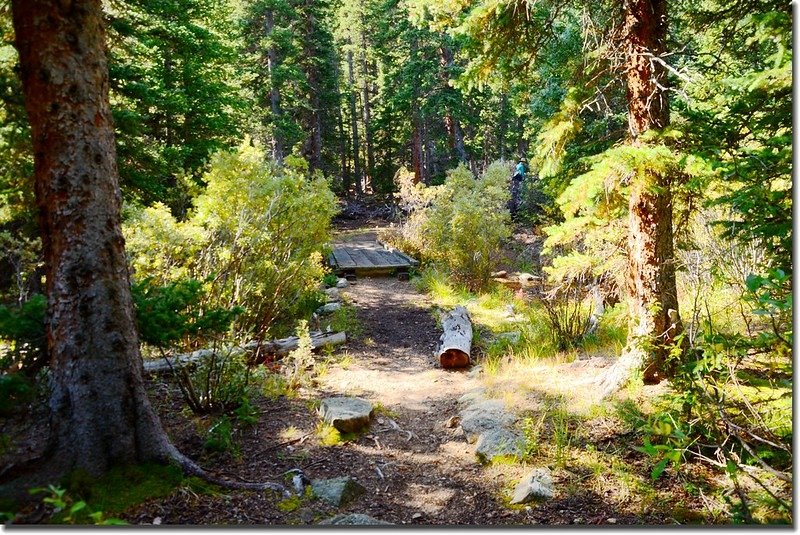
(538, 485)
(354, 519)
(345, 413)
(498, 443)
(338, 491)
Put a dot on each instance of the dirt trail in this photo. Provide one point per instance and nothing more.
(426, 472)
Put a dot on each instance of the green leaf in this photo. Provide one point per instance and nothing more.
(659, 468)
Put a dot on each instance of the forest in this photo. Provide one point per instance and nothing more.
(396, 262)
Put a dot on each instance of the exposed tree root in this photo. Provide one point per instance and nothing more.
(190, 468)
(620, 372)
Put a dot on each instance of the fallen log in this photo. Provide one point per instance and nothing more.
(277, 347)
(455, 343)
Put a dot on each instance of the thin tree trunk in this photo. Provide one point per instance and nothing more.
(503, 127)
(451, 123)
(650, 279)
(314, 140)
(274, 90)
(343, 149)
(368, 141)
(354, 124)
(100, 414)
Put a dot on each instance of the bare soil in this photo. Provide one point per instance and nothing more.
(416, 468)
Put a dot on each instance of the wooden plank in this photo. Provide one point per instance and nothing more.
(376, 258)
(343, 258)
(360, 258)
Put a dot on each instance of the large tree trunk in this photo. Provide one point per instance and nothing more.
(314, 125)
(100, 414)
(650, 279)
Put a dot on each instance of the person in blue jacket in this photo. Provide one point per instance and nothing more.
(516, 185)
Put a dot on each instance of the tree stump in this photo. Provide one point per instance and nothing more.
(455, 343)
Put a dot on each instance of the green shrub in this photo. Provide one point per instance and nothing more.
(23, 346)
(256, 235)
(460, 224)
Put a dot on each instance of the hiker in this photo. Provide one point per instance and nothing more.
(516, 185)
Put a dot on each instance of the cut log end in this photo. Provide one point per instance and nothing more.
(454, 358)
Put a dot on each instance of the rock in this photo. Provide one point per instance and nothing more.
(483, 416)
(500, 274)
(416, 516)
(342, 283)
(611, 520)
(476, 394)
(332, 294)
(346, 414)
(354, 519)
(452, 422)
(526, 278)
(306, 514)
(513, 337)
(538, 485)
(475, 371)
(337, 491)
(500, 442)
(330, 308)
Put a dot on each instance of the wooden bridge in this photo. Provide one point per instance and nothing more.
(369, 258)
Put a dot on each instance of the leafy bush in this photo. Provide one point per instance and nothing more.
(460, 224)
(567, 315)
(255, 235)
(23, 346)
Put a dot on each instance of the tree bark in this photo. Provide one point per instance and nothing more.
(455, 344)
(354, 124)
(100, 414)
(274, 90)
(367, 114)
(451, 122)
(650, 277)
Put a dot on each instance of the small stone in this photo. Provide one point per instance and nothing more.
(538, 485)
(330, 308)
(346, 414)
(354, 519)
(512, 337)
(500, 274)
(337, 491)
(342, 283)
(306, 514)
(416, 516)
(611, 520)
(483, 416)
(452, 422)
(502, 443)
(332, 294)
(476, 394)
(157, 521)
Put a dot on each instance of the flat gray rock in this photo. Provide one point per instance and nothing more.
(354, 519)
(484, 416)
(332, 294)
(330, 308)
(538, 485)
(474, 395)
(495, 443)
(342, 283)
(337, 491)
(346, 414)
